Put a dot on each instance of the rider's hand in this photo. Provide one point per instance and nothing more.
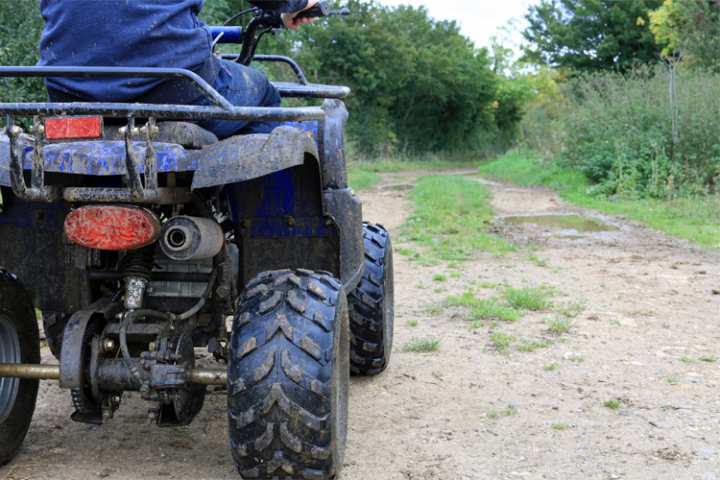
(293, 23)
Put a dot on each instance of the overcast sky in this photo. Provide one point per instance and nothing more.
(480, 19)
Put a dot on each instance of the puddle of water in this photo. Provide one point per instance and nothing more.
(563, 222)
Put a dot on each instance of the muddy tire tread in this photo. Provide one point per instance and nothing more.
(368, 327)
(280, 376)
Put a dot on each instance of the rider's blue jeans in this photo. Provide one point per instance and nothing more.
(246, 87)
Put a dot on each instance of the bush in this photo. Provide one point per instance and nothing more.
(630, 137)
(20, 27)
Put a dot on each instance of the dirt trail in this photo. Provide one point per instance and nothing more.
(648, 335)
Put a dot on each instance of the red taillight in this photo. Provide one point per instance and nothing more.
(112, 227)
(73, 128)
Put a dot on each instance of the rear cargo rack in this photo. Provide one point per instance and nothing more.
(138, 191)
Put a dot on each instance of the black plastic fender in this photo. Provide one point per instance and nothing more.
(247, 157)
(345, 209)
(332, 144)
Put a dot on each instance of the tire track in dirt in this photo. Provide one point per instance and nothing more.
(468, 412)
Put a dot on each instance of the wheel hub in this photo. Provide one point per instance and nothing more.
(9, 353)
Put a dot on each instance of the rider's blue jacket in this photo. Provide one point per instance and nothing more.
(136, 33)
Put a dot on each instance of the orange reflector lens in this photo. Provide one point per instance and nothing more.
(73, 128)
(112, 227)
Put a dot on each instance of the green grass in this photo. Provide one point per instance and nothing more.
(703, 359)
(559, 326)
(412, 323)
(360, 179)
(576, 358)
(532, 346)
(485, 308)
(422, 345)
(508, 308)
(429, 162)
(451, 220)
(560, 426)
(509, 411)
(696, 219)
(613, 404)
(501, 341)
(534, 299)
(364, 175)
(551, 367)
(537, 261)
(439, 277)
(571, 310)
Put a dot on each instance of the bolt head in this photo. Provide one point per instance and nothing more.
(109, 345)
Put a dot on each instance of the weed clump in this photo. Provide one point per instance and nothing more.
(422, 345)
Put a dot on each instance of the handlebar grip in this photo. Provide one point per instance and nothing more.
(322, 9)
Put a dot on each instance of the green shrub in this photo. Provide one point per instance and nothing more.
(630, 137)
(20, 27)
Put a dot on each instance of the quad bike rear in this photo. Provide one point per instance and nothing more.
(153, 249)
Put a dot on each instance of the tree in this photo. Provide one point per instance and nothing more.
(417, 83)
(591, 35)
(690, 30)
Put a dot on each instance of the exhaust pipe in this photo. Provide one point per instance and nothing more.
(198, 376)
(186, 239)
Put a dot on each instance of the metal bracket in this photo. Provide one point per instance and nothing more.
(37, 192)
(138, 192)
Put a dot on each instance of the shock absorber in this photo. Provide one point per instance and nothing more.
(136, 268)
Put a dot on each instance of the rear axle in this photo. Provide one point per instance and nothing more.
(198, 376)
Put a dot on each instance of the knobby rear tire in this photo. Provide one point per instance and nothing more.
(372, 306)
(288, 377)
(19, 343)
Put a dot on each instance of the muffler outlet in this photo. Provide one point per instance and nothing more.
(185, 239)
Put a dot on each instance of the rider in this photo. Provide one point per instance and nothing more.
(152, 33)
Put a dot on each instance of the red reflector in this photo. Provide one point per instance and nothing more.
(112, 227)
(73, 128)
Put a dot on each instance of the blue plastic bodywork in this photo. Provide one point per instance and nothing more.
(98, 158)
(233, 160)
(281, 200)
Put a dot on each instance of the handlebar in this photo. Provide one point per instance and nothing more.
(262, 23)
(323, 9)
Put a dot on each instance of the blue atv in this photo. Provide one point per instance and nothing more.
(138, 235)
